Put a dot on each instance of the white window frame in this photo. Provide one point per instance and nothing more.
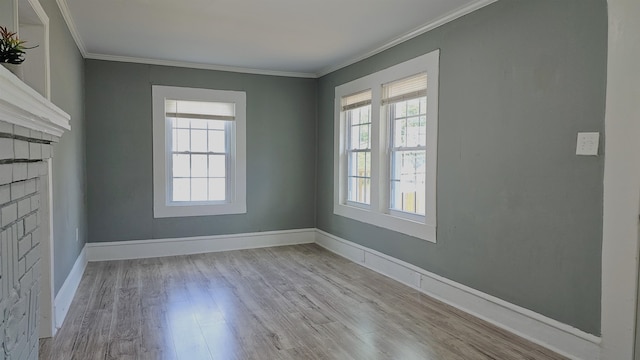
(378, 213)
(236, 202)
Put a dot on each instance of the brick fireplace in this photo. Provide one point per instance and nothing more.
(29, 125)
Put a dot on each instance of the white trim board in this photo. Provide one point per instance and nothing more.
(22, 105)
(68, 290)
(140, 249)
(552, 334)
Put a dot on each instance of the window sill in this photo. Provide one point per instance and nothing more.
(167, 211)
(405, 226)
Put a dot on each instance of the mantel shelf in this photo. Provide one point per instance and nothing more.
(22, 105)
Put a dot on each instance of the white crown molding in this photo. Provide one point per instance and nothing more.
(73, 29)
(191, 65)
(22, 105)
(411, 34)
(550, 333)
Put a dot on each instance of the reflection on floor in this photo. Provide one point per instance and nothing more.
(294, 302)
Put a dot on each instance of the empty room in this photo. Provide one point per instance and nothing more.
(365, 179)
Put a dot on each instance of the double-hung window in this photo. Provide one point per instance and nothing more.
(357, 111)
(405, 103)
(199, 151)
(386, 147)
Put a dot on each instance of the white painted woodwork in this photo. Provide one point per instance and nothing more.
(621, 182)
(22, 105)
(140, 249)
(33, 27)
(46, 314)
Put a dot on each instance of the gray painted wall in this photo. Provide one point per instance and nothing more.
(7, 15)
(69, 190)
(519, 214)
(281, 117)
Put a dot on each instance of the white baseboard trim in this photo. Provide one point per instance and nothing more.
(65, 296)
(552, 334)
(140, 249)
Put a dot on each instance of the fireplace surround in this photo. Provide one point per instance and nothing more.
(29, 127)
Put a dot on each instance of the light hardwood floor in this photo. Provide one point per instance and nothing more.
(294, 302)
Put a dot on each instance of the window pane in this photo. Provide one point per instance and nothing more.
(399, 133)
(199, 189)
(363, 190)
(181, 165)
(423, 130)
(365, 114)
(400, 109)
(199, 140)
(217, 189)
(359, 127)
(217, 141)
(365, 142)
(355, 116)
(364, 164)
(414, 132)
(409, 123)
(352, 164)
(413, 107)
(174, 139)
(217, 124)
(181, 190)
(352, 188)
(182, 140)
(408, 181)
(180, 123)
(355, 137)
(198, 123)
(198, 165)
(217, 166)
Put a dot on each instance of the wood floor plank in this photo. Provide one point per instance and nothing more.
(65, 340)
(289, 303)
(93, 336)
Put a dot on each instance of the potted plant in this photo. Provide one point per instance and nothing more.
(12, 51)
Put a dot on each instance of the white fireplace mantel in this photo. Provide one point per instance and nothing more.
(22, 105)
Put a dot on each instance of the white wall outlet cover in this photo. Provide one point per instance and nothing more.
(588, 143)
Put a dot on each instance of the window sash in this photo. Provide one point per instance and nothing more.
(228, 180)
(360, 195)
(395, 176)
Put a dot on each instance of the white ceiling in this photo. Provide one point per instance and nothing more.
(295, 37)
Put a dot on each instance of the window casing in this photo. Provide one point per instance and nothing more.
(199, 151)
(386, 148)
